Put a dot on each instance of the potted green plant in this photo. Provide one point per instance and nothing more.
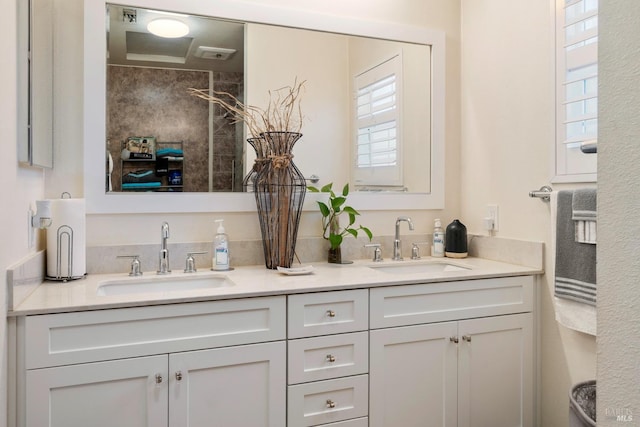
(331, 228)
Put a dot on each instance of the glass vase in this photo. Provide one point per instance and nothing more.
(334, 255)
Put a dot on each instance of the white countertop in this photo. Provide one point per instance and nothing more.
(252, 281)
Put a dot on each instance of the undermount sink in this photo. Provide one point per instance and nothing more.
(417, 268)
(162, 284)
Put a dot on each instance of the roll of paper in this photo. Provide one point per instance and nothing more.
(66, 239)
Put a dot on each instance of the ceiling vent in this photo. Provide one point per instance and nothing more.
(129, 15)
(220, 53)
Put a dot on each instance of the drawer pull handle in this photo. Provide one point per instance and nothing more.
(454, 340)
(331, 313)
(331, 404)
(466, 338)
(158, 379)
(179, 376)
(331, 358)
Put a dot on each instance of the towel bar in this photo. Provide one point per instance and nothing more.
(543, 193)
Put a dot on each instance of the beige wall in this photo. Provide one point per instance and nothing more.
(618, 205)
(508, 124)
(19, 187)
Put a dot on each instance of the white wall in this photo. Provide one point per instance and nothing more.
(19, 187)
(507, 141)
(618, 206)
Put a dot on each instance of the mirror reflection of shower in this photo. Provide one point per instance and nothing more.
(147, 82)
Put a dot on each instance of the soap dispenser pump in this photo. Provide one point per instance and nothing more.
(220, 248)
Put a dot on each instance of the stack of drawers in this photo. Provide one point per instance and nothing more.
(328, 354)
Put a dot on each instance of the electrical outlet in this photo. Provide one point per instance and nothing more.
(492, 212)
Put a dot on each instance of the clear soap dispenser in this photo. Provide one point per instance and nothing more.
(220, 259)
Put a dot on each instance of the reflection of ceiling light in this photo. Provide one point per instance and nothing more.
(169, 28)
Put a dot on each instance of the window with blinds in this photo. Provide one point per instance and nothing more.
(377, 118)
(577, 90)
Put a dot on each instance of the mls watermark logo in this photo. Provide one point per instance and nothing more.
(624, 415)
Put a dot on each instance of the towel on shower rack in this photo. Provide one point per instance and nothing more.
(568, 312)
(575, 262)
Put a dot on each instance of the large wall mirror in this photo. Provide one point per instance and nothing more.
(137, 104)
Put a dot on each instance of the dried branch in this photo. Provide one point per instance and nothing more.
(283, 112)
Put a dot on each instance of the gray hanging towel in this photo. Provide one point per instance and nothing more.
(585, 215)
(575, 262)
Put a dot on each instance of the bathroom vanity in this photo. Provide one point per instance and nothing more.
(347, 346)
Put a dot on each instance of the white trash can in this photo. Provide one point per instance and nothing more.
(582, 405)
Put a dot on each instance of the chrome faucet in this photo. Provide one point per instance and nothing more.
(397, 247)
(163, 267)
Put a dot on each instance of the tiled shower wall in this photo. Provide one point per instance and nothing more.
(227, 136)
(155, 102)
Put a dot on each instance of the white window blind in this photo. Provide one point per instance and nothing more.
(577, 89)
(378, 101)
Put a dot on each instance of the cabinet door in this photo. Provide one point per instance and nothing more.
(495, 378)
(413, 376)
(123, 393)
(229, 387)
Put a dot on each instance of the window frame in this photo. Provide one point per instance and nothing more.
(561, 173)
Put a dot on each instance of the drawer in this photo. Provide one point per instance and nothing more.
(332, 356)
(324, 402)
(358, 422)
(67, 338)
(327, 313)
(437, 302)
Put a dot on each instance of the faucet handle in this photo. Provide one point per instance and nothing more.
(377, 252)
(190, 263)
(415, 249)
(136, 269)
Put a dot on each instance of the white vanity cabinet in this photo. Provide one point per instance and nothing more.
(328, 359)
(452, 354)
(211, 363)
(458, 353)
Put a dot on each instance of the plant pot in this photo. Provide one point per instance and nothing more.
(334, 256)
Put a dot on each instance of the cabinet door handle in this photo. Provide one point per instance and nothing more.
(178, 375)
(466, 338)
(159, 379)
(331, 313)
(331, 404)
(454, 340)
(330, 358)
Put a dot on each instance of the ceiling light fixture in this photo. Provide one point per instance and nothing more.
(168, 28)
